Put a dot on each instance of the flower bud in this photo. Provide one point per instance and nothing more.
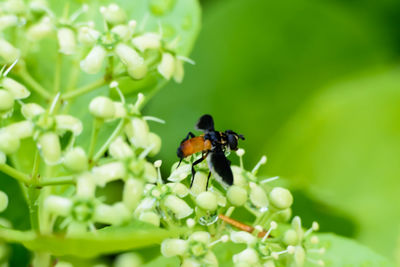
(257, 196)
(129, 259)
(109, 172)
(133, 61)
(66, 41)
(22, 129)
(290, 237)
(8, 21)
(238, 178)
(94, 60)
(155, 141)
(132, 194)
(179, 71)
(113, 14)
(8, 52)
(150, 172)
(18, 90)
(50, 147)
(179, 189)
(179, 207)
(191, 262)
(3, 201)
(31, 110)
(207, 200)
(243, 237)
(114, 215)
(199, 183)
(85, 186)
(249, 255)
(237, 195)
(40, 30)
(6, 101)
(3, 158)
(14, 6)
(119, 149)
(58, 205)
(120, 110)
(9, 143)
(173, 247)
(180, 173)
(299, 256)
(150, 217)
(102, 107)
(137, 131)
(123, 31)
(200, 236)
(281, 198)
(63, 264)
(167, 66)
(88, 36)
(69, 123)
(76, 160)
(147, 41)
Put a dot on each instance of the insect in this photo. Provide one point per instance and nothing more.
(212, 145)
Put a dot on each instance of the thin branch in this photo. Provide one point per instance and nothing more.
(33, 84)
(84, 89)
(56, 181)
(14, 173)
(105, 146)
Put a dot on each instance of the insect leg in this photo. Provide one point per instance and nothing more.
(188, 136)
(208, 179)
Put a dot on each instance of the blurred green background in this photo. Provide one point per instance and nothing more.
(314, 85)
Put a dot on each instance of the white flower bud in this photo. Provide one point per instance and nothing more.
(299, 256)
(238, 178)
(155, 141)
(102, 107)
(179, 207)
(199, 183)
(179, 71)
(243, 237)
(113, 14)
(69, 123)
(179, 189)
(50, 147)
(18, 90)
(172, 247)
(3, 201)
(180, 173)
(129, 259)
(120, 110)
(191, 262)
(93, 62)
(123, 31)
(63, 264)
(114, 215)
(8, 52)
(314, 240)
(76, 160)
(290, 237)
(22, 129)
(207, 200)
(147, 41)
(119, 149)
(132, 194)
(258, 197)
(31, 110)
(85, 186)
(150, 217)
(66, 41)
(200, 236)
(269, 263)
(58, 205)
(88, 36)
(190, 223)
(14, 6)
(40, 30)
(167, 66)
(8, 21)
(137, 131)
(3, 158)
(9, 143)
(249, 255)
(146, 204)
(150, 172)
(133, 61)
(109, 172)
(281, 198)
(237, 195)
(6, 101)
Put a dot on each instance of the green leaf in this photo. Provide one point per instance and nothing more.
(342, 252)
(108, 240)
(343, 148)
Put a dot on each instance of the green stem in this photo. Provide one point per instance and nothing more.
(106, 144)
(57, 73)
(13, 236)
(33, 196)
(14, 173)
(34, 85)
(93, 138)
(84, 89)
(62, 180)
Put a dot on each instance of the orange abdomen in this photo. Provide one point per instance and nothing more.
(194, 145)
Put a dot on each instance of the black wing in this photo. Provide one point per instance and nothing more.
(205, 123)
(221, 166)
